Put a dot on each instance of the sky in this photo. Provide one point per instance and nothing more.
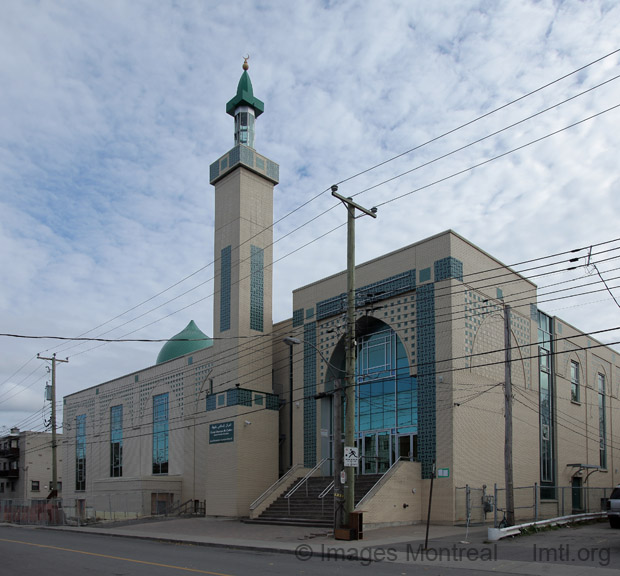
(495, 119)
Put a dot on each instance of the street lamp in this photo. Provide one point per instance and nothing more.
(338, 447)
(290, 342)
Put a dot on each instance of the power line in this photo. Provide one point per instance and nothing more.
(365, 171)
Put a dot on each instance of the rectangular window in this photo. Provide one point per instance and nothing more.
(574, 381)
(80, 452)
(160, 434)
(546, 401)
(34, 485)
(602, 421)
(116, 441)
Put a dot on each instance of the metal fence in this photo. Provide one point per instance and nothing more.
(531, 503)
(108, 507)
(37, 512)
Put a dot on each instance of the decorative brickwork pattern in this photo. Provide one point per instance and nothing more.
(375, 292)
(449, 267)
(256, 289)
(425, 305)
(225, 288)
(298, 318)
(309, 392)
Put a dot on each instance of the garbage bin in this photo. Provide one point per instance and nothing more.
(356, 524)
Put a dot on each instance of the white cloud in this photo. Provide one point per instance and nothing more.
(111, 113)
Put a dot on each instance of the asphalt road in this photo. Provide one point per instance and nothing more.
(579, 551)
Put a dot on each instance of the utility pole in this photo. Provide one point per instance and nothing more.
(349, 428)
(338, 456)
(510, 504)
(54, 486)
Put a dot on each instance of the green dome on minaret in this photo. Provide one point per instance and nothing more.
(245, 95)
(185, 342)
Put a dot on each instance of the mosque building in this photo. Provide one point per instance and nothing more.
(233, 420)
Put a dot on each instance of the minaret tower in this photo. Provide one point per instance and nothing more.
(244, 182)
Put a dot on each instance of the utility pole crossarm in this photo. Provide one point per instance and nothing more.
(349, 202)
(350, 345)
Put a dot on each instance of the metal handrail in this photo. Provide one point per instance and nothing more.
(303, 481)
(325, 493)
(382, 477)
(274, 486)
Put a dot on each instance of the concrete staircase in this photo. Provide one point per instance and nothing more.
(309, 510)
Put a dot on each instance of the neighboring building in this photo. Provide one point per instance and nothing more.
(26, 465)
(211, 420)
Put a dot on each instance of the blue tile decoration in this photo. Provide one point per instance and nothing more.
(369, 294)
(448, 267)
(425, 275)
(273, 402)
(211, 402)
(298, 317)
(242, 155)
(256, 288)
(309, 392)
(225, 289)
(425, 352)
(243, 397)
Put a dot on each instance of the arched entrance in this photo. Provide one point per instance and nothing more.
(386, 398)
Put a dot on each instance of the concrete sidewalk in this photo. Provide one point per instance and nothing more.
(448, 546)
(232, 533)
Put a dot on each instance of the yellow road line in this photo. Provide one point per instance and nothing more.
(196, 570)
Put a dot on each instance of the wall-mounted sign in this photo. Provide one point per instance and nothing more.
(222, 432)
(443, 473)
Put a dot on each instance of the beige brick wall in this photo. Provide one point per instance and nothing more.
(398, 499)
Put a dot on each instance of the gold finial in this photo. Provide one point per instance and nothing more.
(245, 62)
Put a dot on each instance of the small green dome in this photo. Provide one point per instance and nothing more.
(245, 97)
(187, 341)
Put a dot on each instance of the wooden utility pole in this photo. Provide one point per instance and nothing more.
(510, 504)
(338, 456)
(349, 428)
(54, 486)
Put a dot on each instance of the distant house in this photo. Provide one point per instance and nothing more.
(26, 465)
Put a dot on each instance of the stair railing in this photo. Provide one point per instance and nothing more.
(383, 475)
(283, 479)
(303, 481)
(322, 495)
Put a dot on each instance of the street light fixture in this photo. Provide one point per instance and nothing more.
(338, 447)
(290, 342)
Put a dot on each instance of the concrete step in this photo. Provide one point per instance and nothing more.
(306, 509)
(289, 521)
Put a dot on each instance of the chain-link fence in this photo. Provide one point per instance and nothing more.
(38, 512)
(107, 507)
(531, 503)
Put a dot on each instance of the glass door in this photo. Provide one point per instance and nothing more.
(384, 454)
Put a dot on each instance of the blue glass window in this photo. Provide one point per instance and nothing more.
(602, 424)
(80, 452)
(160, 434)
(546, 405)
(386, 393)
(116, 441)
